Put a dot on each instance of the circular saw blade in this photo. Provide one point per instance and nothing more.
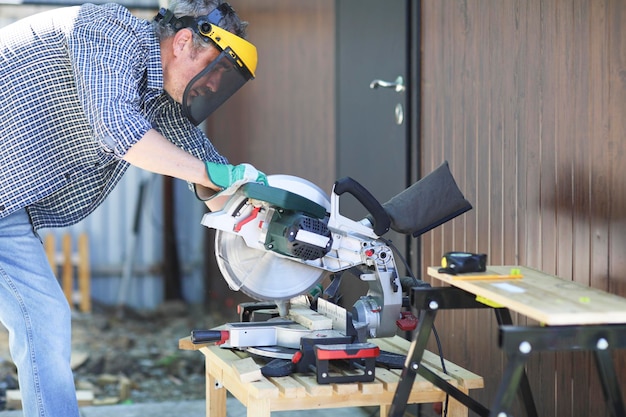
(266, 275)
(262, 275)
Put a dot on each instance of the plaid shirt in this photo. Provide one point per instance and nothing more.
(78, 87)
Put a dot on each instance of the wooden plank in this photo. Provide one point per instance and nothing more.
(289, 387)
(222, 357)
(545, 298)
(374, 387)
(346, 388)
(247, 370)
(598, 222)
(215, 397)
(260, 407)
(572, 182)
(309, 382)
(456, 409)
(78, 358)
(463, 377)
(310, 319)
(184, 343)
(14, 399)
(387, 378)
(67, 276)
(615, 144)
(219, 361)
(84, 397)
(262, 388)
(84, 277)
(50, 248)
(220, 365)
(71, 261)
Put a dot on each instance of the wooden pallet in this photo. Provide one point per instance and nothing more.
(14, 399)
(226, 372)
(64, 263)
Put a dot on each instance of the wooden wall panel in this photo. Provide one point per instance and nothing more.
(616, 16)
(283, 122)
(617, 145)
(526, 99)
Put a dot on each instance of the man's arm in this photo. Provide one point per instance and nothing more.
(155, 153)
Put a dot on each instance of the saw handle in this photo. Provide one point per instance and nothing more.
(380, 218)
(209, 336)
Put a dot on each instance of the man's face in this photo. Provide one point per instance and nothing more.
(186, 63)
(211, 80)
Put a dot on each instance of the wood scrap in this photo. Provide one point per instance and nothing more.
(247, 370)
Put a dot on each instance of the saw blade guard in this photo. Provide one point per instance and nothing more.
(243, 250)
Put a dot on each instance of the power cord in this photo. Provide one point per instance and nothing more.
(417, 283)
(443, 368)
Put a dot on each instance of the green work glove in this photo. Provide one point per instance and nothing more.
(226, 175)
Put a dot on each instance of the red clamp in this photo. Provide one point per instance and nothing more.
(407, 321)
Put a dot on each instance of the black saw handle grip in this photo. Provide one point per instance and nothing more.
(209, 336)
(380, 218)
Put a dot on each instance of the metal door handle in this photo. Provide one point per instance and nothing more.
(397, 85)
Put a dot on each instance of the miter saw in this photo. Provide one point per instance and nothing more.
(278, 242)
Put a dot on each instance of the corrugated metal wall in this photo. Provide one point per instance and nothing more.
(110, 232)
(109, 228)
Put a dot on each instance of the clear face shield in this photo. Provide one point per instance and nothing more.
(226, 74)
(212, 87)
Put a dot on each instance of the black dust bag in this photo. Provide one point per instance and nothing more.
(428, 203)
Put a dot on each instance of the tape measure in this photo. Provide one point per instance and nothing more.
(462, 262)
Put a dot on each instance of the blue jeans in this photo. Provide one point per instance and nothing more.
(38, 319)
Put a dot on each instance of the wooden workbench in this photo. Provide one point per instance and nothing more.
(570, 317)
(548, 299)
(302, 392)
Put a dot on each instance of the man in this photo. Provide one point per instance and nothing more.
(86, 91)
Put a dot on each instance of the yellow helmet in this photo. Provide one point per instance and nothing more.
(226, 74)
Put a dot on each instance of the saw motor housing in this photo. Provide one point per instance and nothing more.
(298, 235)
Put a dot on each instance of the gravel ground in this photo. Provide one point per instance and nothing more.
(126, 357)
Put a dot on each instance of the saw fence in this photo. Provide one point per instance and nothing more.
(235, 372)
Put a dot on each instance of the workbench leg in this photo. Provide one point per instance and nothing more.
(412, 363)
(610, 387)
(384, 410)
(215, 396)
(503, 316)
(259, 408)
(455, 408)
(509, 385)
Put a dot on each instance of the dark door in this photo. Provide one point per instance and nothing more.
(373, 94)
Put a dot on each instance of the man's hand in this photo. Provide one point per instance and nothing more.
(226, 175)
